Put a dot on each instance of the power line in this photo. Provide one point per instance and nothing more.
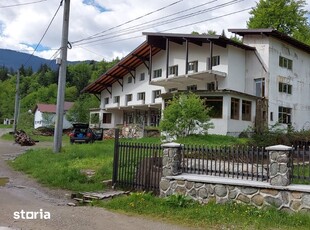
(23, 4)
(190, 24)
(44, 32)
(141, 27)
(127, 22)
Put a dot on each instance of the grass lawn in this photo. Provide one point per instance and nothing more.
(63, 170)
(177, 209)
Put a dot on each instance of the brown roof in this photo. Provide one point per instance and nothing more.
(51, 108)
(273, 33)
(154, 43)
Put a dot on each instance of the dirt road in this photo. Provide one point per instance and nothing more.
(22, 199)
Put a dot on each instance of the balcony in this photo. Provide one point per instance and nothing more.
(187, 79)
(138, 102)
(158, 100)
(111, 106)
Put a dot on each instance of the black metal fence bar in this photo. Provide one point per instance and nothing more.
(243, 163)
(139, 166)
(300, 161)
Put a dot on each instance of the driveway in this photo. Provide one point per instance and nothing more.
(25, 204)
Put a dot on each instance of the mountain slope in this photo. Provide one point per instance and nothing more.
(14, 60)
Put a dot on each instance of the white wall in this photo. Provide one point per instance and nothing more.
(39, 121)
(298, 77)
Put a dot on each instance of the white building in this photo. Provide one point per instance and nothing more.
(264, 80)
(45, 114)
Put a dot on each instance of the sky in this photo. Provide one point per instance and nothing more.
(106, 29)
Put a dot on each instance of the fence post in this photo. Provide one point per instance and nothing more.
(171, 159)
(280, 169)
(115, 159)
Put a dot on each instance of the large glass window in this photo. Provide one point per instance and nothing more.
(246, 110)
(285, 115)
(216, 105)
(234, 108)
(107, 118)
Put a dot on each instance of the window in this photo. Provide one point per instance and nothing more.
(107, 118)
(157, 73)
(172, 90)
(142, 76)
(141, 96)
(216, 105)
(234, 108)
(193, 66)
(173, 70)
(116, 99)
(106, 100)
(192, 87)
(128, 97)
(215, 61)
(285, 63)
(285, 88)
(129, 80)
(156, 94)
(246, 110)
(211, 86)
(285, 115)
(260, 87)
(271, 116)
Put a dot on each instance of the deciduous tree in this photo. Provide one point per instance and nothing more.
(286, 16)
(186, 114)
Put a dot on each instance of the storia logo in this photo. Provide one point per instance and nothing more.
(30, 215)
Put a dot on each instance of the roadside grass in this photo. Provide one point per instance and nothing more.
(211, 215)
(64, 170)
(2, 126)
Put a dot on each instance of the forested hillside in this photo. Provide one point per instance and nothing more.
(41, 87)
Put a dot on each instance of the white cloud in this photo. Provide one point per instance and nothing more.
(21, 28)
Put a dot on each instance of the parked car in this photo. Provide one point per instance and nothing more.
(81, 133)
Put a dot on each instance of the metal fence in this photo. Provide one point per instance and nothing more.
(233, 162)
(138, 166)
(300, 160)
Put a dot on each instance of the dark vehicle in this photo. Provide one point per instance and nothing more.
(81, 133)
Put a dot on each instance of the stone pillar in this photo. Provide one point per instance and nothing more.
(171, 159)
(279, 168)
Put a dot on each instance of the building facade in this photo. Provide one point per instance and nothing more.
(259, 82)
(45, 115)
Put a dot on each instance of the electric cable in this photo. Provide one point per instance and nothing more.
(23, 4)
(44, 33)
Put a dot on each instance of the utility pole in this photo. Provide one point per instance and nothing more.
(62, 80)
(16, 109)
